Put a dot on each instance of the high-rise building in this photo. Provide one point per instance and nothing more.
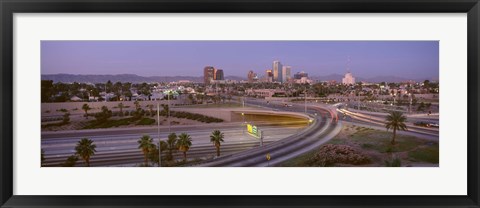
(208, 74)
(286, 73)
(268, 75)
(277, 71)
(299, 75)
(219, 74)
(348, 79)
(252, 76)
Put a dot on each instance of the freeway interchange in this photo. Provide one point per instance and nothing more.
(283, 139)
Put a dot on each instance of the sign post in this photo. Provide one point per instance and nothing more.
(158, 135)
(261, 138)
(268, 159)
(255, 132)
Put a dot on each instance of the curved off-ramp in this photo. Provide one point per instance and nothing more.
(323, 127)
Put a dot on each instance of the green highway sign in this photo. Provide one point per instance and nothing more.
(254, 131)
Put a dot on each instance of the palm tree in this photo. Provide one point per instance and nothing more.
(396, 121)
(137, 104)
(165, 109)
(150, 107)
(42, 157)
(200, 97)
(171, 145)
(85, 149)
(216, 138)
(153, 153)
(121, 106)
(184, 142)
(71, 161)
(190, 98)
(145, 143)
(86, 108)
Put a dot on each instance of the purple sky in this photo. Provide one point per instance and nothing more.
(408, 59)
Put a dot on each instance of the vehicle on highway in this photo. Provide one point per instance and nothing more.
(434, 125)
(426, 124)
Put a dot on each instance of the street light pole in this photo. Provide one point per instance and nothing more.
(410, 106)
(106, 98)
(243, 128)
(158, 135)
(394, 96)
(243, 102)
(261, 138)
(169, 122)
(305, 94)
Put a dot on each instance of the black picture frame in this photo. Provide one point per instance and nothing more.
(10, 7)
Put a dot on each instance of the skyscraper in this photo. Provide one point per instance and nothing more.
(208, 74)
(286, 73)
(252, 76)
(277, 71)
(299, 75)
(219, 74)
(268, 75)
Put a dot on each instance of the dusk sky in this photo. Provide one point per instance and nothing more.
(407, 59)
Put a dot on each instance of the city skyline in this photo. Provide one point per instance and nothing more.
(408, 59)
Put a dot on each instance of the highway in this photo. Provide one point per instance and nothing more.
(283, 139)
(119, 147)
(379, 121)
(324, 126)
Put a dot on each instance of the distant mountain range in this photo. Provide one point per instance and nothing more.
(68, 78)
(377, 79)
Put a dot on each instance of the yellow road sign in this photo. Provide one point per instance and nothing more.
(268, 156)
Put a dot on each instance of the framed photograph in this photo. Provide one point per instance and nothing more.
(267, 103)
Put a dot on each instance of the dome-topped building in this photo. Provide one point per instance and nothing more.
(348, 79)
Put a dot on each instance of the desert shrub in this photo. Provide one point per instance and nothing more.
(138, 114)
(109, 124)
(394, 162)
(367, 146)
(331, 154)
(194, 116)
(104, 115)
(389, 149)
(146, 121)
(52, 119)
(66, 118)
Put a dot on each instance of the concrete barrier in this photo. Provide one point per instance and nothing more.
(235, 114)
